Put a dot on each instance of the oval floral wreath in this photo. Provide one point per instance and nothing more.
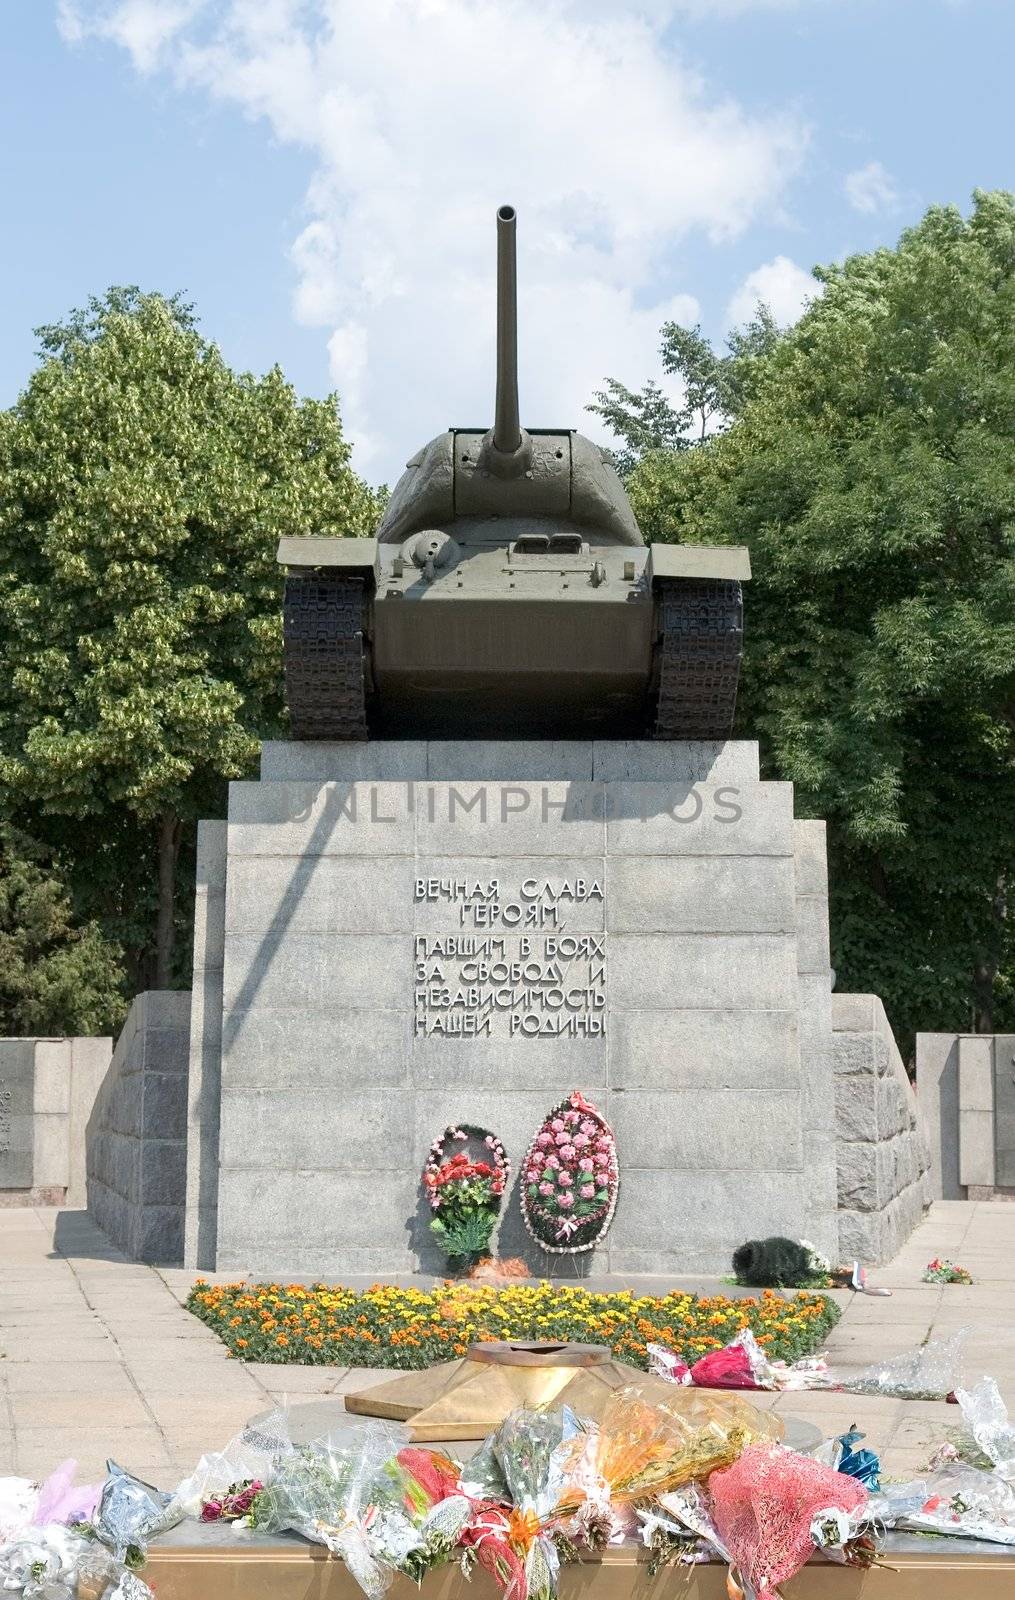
(464, 1190)
(571, 1178)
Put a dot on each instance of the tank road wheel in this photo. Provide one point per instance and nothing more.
(699, 645)
(324, 632)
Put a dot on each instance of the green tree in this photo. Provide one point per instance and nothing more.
(715, 386)
(143, 488)
(55, 977)
(871, 471)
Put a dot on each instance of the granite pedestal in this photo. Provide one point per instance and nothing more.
(392, 937)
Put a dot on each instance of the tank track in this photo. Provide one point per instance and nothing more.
(700, 643)
(324, 632)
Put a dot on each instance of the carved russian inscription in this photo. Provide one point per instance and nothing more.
(511, 967)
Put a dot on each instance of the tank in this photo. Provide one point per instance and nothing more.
(508, 592)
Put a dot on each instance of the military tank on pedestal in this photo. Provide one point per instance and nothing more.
(508, 593)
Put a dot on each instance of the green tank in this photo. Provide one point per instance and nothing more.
(508, 593)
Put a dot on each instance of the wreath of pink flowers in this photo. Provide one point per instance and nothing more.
(443, 1167)
(571, 1178)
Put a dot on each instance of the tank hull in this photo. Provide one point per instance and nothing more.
(510, 667)
(502, 640)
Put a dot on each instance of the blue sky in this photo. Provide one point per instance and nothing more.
(319, 176)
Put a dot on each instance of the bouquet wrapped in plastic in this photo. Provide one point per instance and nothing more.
(842, 1453)
(986, 1416)
(772, 1508)
(25, 1504)
(131, 1512)
(679, 1529)
(518, 1480)
(640, 1449)
(958, 1500)
(435, 1504)
(927, 1372)
(42, 1563)
(64, 1541)
(225, 1483)
(346, 1492)
(741, 1364)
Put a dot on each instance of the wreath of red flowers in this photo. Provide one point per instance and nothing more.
(571, 1178)
(442, 1169)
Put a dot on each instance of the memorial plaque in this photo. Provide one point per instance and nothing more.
(512, 965)
(17, 1094)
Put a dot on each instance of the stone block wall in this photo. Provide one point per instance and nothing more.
(136, 1137)
(882, 1156)
(47, 1091)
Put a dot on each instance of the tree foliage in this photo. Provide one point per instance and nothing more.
(714, 384)
(871, 471)
(55, 977)
(143, 488)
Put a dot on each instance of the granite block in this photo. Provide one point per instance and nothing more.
(550, 883)
(380, 760)
(856, 1110)
(52, 1075)
(707, 1213)
(701, 1130)
(810, 859)
(164, 1105)
(309, 819)
(520, 1064)
(510, 760)
(319, 894)
(324, 1050)
(17, 1098)
(690, 1049)
(295, 1129)
(700, 894)
(683, 761)
(659, 819)
(703, 972)
(812, 934)
(325, 1219)
(164, 1173)
(299, 971)
(50, 1150)
(167, 1049)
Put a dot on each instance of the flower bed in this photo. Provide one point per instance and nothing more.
(410, 1328)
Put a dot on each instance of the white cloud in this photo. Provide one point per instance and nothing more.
(143, 27)
(421, 116)
(781, 285)
(870, 188)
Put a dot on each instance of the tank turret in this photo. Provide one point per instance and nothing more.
(508, 592)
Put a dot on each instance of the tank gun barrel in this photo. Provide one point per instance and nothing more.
(507, 433)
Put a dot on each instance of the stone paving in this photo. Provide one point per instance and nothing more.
(98, 1357)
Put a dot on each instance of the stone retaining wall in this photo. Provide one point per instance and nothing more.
(965, 1085)
(882, 1159)
(47, 1091)
(137, 1133)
